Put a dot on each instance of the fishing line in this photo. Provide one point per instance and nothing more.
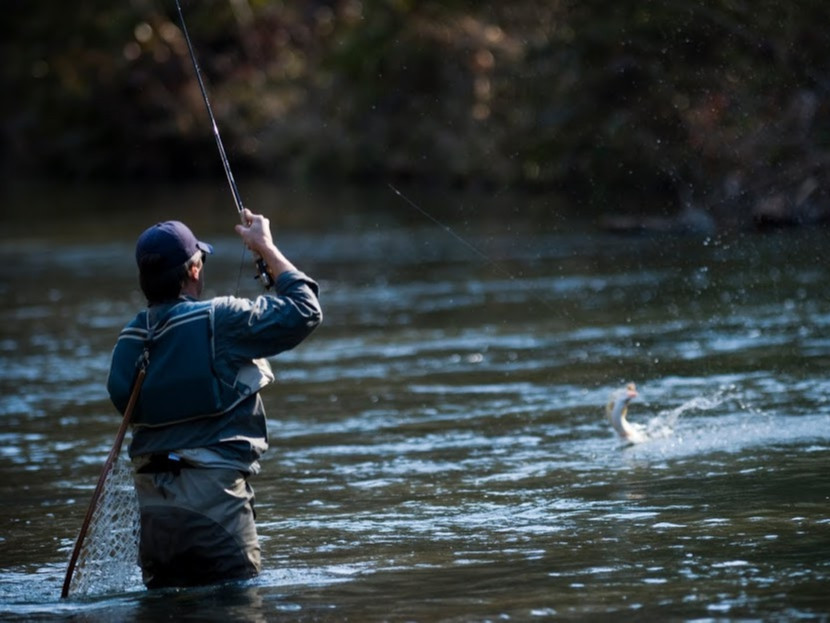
(262, 269)
(481, 254)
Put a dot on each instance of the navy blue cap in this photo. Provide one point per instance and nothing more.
(167, 245)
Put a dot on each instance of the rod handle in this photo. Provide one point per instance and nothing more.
(263, 275)
(265, 278)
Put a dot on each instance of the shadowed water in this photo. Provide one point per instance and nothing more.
(439, 450)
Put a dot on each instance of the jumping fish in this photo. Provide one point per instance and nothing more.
(617, 410)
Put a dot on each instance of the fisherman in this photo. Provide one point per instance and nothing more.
(199, 426)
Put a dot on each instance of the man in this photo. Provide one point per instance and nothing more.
(199, 425)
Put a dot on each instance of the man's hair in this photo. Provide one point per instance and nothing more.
(166, 285)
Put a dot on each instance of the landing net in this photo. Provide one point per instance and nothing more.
(108, 561)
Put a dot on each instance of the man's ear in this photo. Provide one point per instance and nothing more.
(194, 270)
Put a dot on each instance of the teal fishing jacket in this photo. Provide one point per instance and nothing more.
(205, 364)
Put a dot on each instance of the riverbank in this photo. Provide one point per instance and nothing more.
(637, 112)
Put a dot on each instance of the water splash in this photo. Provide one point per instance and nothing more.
(664, 423)
(668, 417)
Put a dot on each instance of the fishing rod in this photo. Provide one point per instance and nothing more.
(262, 269)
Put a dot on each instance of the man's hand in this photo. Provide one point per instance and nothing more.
(256, 234)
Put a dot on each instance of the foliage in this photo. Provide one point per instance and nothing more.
(719, 103)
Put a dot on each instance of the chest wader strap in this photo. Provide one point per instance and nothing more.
(144, 357)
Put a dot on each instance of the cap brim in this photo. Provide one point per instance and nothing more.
(204, 246)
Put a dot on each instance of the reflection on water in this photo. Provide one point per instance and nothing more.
(439, 449)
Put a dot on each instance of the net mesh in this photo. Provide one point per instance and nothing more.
(108, 560)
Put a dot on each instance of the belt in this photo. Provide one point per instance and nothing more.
(158, 463)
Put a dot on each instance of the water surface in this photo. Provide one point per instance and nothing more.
(438, 447)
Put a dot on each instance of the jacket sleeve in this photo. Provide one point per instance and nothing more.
(271, 323)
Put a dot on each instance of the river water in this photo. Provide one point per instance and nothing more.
(439, 450)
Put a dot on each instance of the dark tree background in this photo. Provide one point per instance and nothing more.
(678, 107)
